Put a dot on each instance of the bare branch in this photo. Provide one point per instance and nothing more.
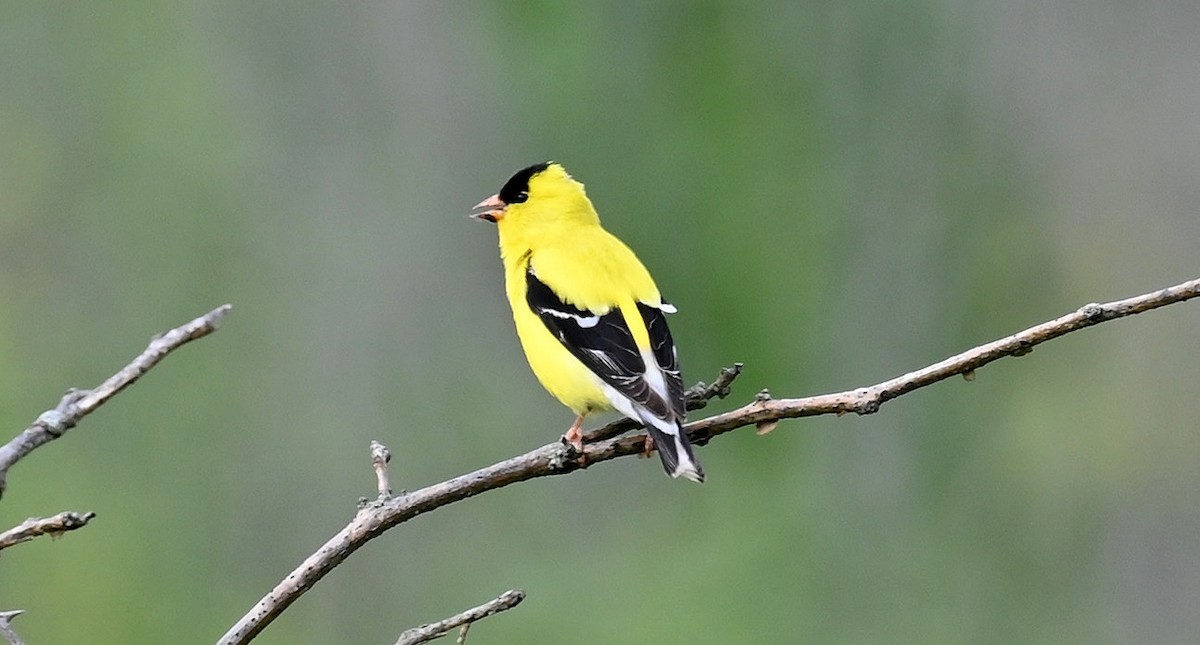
(867, 400)
(763, 412)
(426, 633)
(6, 629)
(77, 404)
(373, 518)
(53, 526)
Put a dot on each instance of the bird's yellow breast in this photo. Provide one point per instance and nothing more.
(563, 375)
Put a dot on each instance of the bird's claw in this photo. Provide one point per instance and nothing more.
(573, 445)
(647, 447)
(574, 438)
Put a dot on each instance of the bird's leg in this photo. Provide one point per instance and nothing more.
(648, 447)
(574, 435)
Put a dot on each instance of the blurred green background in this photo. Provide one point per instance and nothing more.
(832, 192)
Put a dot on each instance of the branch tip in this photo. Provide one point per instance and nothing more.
(54, 526)
(6, 629)
(380, 456)
(698, 396)
(216, 316)
(431, 631)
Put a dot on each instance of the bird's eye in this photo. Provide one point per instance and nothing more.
(520, 198)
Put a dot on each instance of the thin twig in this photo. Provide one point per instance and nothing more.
(699, 395)
(557, 459)
(379, 461)
(53, 526)
(867, 400)
(77, 404)
(426, 633)
(6, 629)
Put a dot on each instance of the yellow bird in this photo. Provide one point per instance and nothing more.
(589, 316)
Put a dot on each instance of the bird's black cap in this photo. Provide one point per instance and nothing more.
(516, 189)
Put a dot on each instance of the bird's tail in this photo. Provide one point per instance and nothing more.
(674, 449)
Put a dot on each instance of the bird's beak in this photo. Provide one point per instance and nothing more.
(492, 209)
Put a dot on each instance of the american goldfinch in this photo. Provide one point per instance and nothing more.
(591, 321)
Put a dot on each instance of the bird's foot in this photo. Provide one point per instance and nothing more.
(648, 447)
(574, 435)
(574, 438)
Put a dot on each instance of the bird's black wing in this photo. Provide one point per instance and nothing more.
(604, 344)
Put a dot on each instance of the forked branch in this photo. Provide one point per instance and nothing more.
(559, 459)
(426, 633)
